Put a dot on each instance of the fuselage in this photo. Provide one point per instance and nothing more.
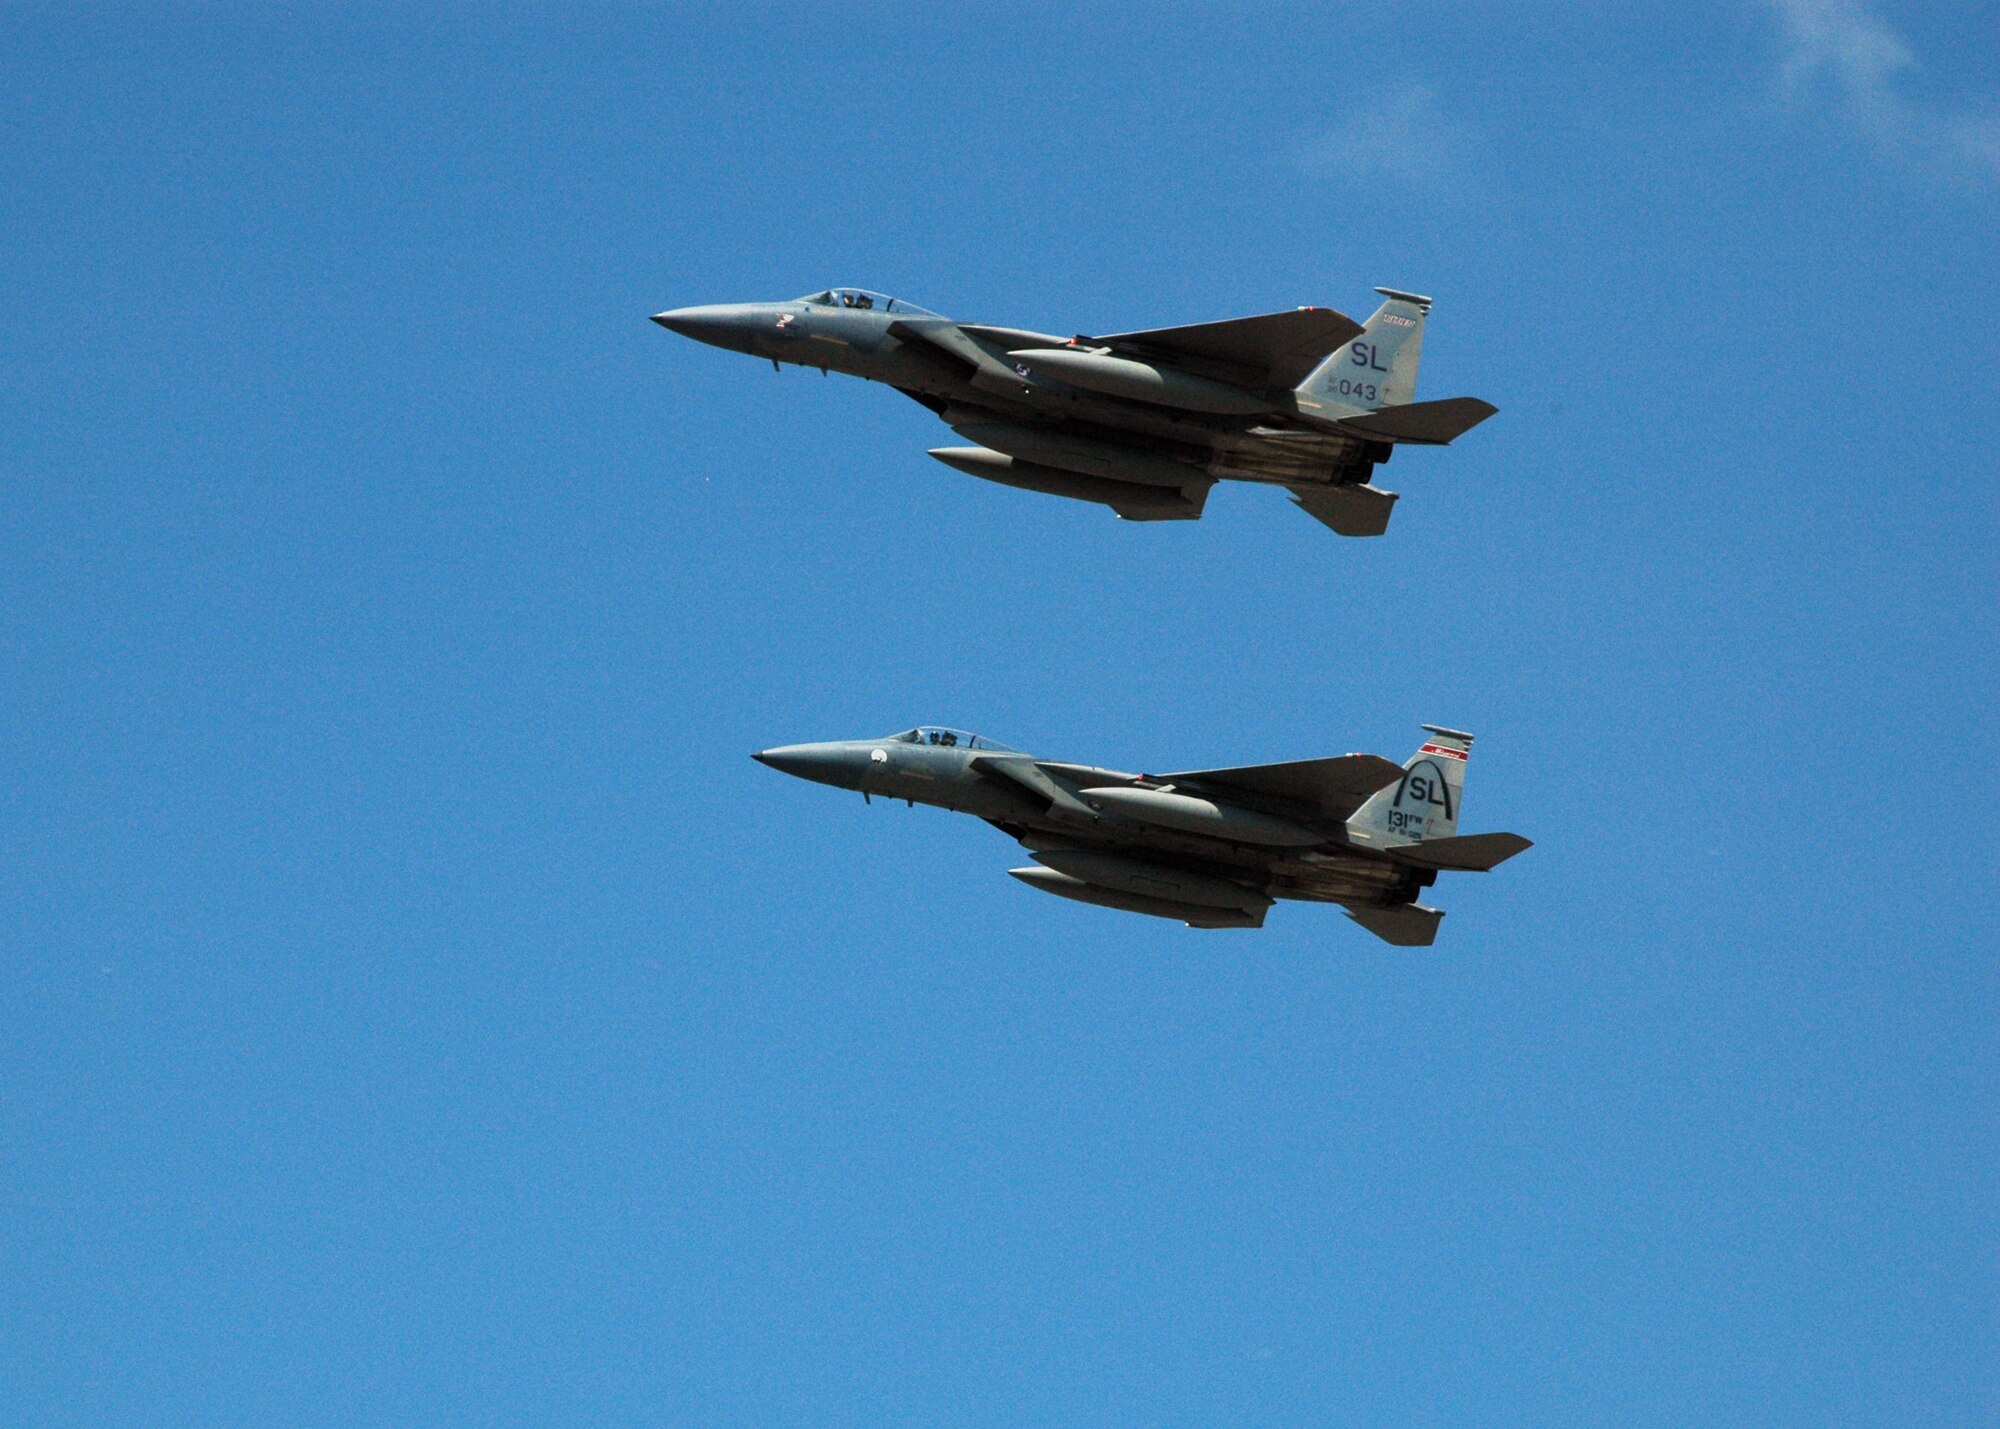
(964, 373)
(952, 769)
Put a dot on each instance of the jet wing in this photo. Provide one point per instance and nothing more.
(1280, 349)
(1331, 788)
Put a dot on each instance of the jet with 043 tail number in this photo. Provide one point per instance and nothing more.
(1143, 422)
(1213, 848)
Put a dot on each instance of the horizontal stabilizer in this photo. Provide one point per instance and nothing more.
(1426, 423)
(1407, 925)
(1279, 349)
(1473, 853)
(1352, 510)
(1329, 788)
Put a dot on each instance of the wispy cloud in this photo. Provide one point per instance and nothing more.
(1407, 139)
(1837, 49)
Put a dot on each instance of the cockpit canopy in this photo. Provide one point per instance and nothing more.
(949, 738)
(863, 299)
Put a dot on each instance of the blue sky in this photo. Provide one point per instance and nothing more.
(418, 1010)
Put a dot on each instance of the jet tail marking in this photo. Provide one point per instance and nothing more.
(1423, 803)
(1378, 367)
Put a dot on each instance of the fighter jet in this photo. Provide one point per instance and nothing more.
(1212, 848)
(1143, 422)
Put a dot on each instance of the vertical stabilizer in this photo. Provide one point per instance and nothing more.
(1423, 804)
(1379, 367)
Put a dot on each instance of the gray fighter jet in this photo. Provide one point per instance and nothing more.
(1143, 422)
(1210, 847)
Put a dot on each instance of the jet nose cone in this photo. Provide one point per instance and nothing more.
(821, 763)
(712, 323)
(685, 321)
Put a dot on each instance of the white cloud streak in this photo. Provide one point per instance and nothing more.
(1407, 139)
(1838, 49)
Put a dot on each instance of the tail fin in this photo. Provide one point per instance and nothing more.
(1423, 804)
(1378, 368)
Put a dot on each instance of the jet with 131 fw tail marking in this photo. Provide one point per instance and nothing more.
(1143, 422)
(1213, 848)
